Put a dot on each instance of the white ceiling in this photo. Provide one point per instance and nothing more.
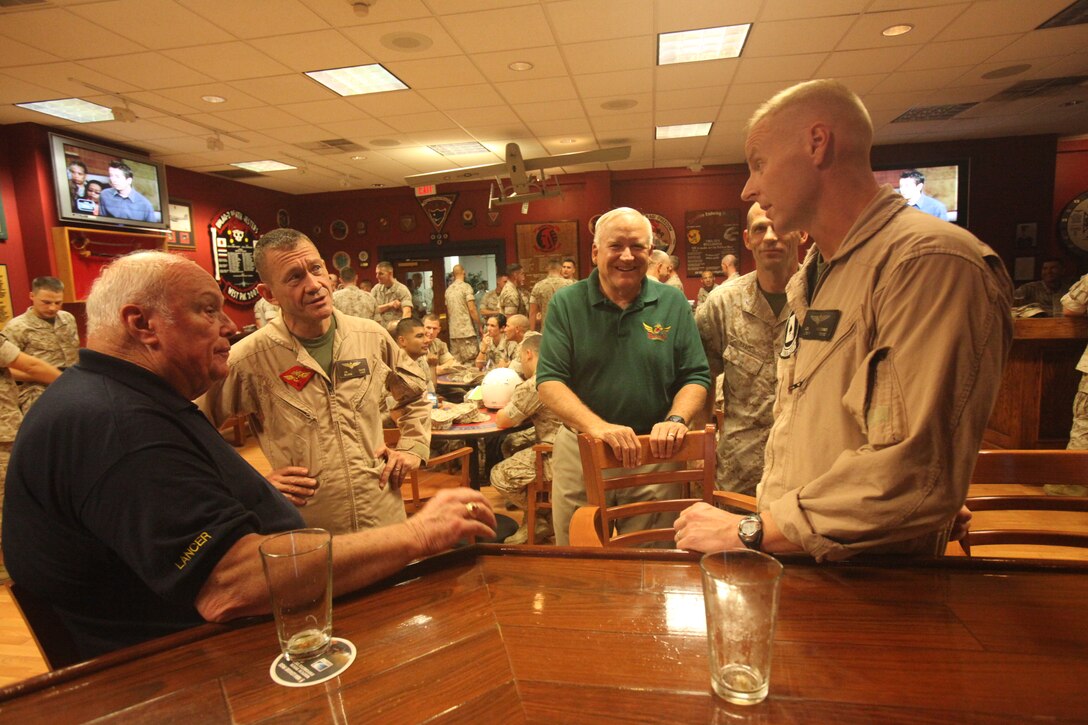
(585, 53)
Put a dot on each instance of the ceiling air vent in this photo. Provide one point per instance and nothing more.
(1039, 87)
(237, 174)
(1075, 14)
(933, 113)
(331, 146)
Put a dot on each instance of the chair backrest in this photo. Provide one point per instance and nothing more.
(56, 644)
(696, 461)
(539, 495)
(1020, 471)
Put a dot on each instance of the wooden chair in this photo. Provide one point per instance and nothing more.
(539, 494)
(1016, 469)
(423, 483)
(236, 424)
(593, 525)
(55, 643)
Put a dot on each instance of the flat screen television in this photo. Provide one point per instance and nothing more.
(945, 182)
(101, 185)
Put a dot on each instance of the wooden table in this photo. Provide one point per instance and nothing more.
(539, 634)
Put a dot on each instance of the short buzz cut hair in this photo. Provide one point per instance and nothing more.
(532, 343)
(833, 96)
(277, 240)
(511, 268)
(432, 317)
(571, 260)
(554, 263)
(50, 284)
(388, 266)
(608, 217)
(347, 274)
(405, 326)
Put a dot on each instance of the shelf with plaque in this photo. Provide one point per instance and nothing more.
(81, 254)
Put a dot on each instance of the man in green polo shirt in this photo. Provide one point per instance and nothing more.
(621, 357)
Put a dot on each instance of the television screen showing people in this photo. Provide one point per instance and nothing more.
(102, 183)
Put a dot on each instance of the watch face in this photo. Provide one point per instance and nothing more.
(749, 527)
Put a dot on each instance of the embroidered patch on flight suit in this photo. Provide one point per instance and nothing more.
(820, 324)
(297, 377)
(348, 369)
(657, 332)
(789, 344)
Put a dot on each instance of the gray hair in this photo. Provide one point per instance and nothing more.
(140, 278)
(277, 240)
(609, 216)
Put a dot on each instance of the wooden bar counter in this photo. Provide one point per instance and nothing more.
(496, 634)
(1034, 407)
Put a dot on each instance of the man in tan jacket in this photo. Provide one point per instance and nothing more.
(311, 382)
(891, 360)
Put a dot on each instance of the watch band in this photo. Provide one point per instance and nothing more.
(676, 419)
(755, 540)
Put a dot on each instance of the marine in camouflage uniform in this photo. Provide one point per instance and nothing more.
(355, 302)
(384, 295)
(464, 342)
(741, 336)
(512, 476)
(1076, 301)
(55, 342)
(513, 299)
(264, 312)
(542, 294)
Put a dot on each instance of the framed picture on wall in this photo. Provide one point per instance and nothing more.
(6, 311)
(181, 226)
(3, 223)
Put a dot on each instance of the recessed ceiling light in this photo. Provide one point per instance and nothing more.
(459, 149)
(262, 166)
(71, 109)
(378, 186)
(568, 140)
(619, 104)
(520, 65)
(358, 158)
(683, 130)
(893, 30)
(358, 80)
(213, 99)
(688, 46)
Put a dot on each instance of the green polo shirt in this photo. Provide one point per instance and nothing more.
(626, 365)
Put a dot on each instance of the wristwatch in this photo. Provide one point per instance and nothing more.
(750, 531)
(676, 419)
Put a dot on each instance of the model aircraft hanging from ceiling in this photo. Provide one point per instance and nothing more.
(522, 185)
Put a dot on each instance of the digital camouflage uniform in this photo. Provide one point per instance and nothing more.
(464, 343)
(355, 302)
(703, 294)
(542, 294)
(514, 300)
(1076, 300)
(56, 343)
(384, 295)
(742, 337)
(10, 417)
(513, 475)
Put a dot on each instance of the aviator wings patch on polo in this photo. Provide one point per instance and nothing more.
(820, 324)
(657, 332)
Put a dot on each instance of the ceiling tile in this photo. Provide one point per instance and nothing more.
(547, 63)
(190, 97)
(791, 9)
(611, 55)
(436, 72)
(275, 17)
(469, 117)
(549, 111)
(788, 37)
(504, 29)
(545, 89)
(150, 70)
(847, 62)
(228, 61)
(462, 96)
(689, 98)
(266, 117)
(429, 38)
(391, 103)
(1000, 17)
(602, 84)
(622, 122)
(323, 111)
(783, 68)
(317, 50)
(916, 80)
(959, 52)
(13, 53)
(168, 23)
(565, 128)
(414, 122)
(1049, 42)
(927, 22)
(294, 88)
(579, 21)
(674, 15)
(65, 78)
(64, 34)
(696, 75)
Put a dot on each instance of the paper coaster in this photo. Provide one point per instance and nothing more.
(303, 673)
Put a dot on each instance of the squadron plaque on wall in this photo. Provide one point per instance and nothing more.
(711, 235)
(233, 234)
(1073, 224)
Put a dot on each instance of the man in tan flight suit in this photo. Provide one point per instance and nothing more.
(313, 380)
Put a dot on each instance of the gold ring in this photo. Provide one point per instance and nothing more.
(471, 508)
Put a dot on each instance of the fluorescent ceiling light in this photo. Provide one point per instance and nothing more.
(357, 80)
(71, 109)
(683, 130)
(459, 149)
(263, 166)
(688, 46)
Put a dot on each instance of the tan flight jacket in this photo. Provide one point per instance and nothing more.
(331, 427)
(877, 429)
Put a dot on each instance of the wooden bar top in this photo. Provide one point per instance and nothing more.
(543, 635)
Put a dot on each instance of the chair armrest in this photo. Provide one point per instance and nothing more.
(451, 456)
(584, 525)
(741, 501)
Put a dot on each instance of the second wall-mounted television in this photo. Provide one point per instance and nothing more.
(946, 182)
(98, 184)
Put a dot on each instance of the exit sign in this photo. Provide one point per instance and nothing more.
(425, 190)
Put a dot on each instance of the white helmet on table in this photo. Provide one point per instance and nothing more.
(498, 387)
